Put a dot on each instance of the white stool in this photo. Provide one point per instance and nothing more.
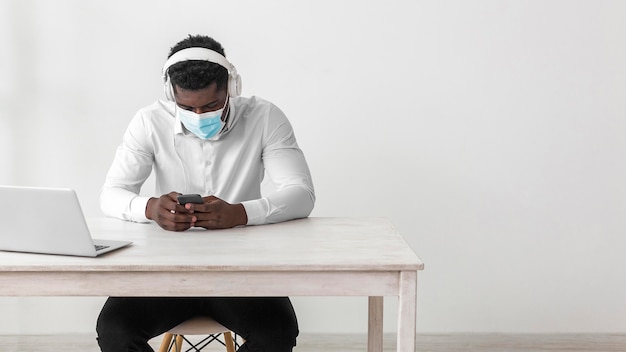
(197, 326)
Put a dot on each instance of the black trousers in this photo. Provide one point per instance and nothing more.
(268, 324)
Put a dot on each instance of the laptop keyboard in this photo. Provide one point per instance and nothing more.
(100, 247)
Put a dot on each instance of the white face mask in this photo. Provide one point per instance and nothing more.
(205, 125)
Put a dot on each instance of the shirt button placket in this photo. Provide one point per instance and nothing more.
(208, 165)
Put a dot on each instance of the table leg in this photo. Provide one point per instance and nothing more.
(407, 311)
(375, 324)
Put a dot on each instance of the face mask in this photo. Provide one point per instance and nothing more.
(205, 125)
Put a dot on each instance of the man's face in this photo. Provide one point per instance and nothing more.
(201, 101)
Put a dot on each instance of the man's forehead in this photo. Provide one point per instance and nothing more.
(203, 96)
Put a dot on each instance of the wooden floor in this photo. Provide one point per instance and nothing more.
(350, 343)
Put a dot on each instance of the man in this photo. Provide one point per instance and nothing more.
(205, 140)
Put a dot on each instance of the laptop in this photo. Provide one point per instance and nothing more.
(47, 220)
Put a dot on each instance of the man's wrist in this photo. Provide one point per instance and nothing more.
(149, 208)
(242, 215)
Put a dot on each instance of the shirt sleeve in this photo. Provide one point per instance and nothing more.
(293, 196)
(131, 167)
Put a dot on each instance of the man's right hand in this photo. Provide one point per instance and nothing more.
(170, 215)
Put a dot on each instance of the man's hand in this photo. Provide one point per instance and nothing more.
(170, 215)
(215, 213)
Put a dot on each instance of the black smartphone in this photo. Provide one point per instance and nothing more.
(190, 198)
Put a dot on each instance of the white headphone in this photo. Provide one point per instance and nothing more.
(234, 80)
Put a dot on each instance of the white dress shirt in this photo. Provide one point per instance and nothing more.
(257, 139)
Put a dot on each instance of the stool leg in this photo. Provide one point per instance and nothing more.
(179, 343)
(165, 343)
(230, 343)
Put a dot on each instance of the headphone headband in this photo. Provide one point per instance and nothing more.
(202, 54)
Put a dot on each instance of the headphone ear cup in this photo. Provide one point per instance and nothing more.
(234, 84)
(168, 90)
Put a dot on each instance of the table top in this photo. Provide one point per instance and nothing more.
(311, 244)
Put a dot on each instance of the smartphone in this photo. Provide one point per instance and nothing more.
(190, 198)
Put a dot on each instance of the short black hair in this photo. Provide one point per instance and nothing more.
(197, 74)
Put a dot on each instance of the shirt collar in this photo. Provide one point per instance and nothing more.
(178, 125)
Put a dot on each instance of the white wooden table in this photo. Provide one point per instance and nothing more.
(307, 257)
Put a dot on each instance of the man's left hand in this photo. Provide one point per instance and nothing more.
(216, 213)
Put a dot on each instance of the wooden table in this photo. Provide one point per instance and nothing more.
(306, 257)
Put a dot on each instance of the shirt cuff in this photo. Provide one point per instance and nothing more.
(138, 209)
(256, 211)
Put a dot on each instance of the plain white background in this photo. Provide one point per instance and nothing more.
(491, 133)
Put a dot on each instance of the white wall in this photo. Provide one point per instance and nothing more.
(490, 132)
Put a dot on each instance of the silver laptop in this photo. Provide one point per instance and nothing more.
(47, 220)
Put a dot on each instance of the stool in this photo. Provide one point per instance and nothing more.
(197, 326)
